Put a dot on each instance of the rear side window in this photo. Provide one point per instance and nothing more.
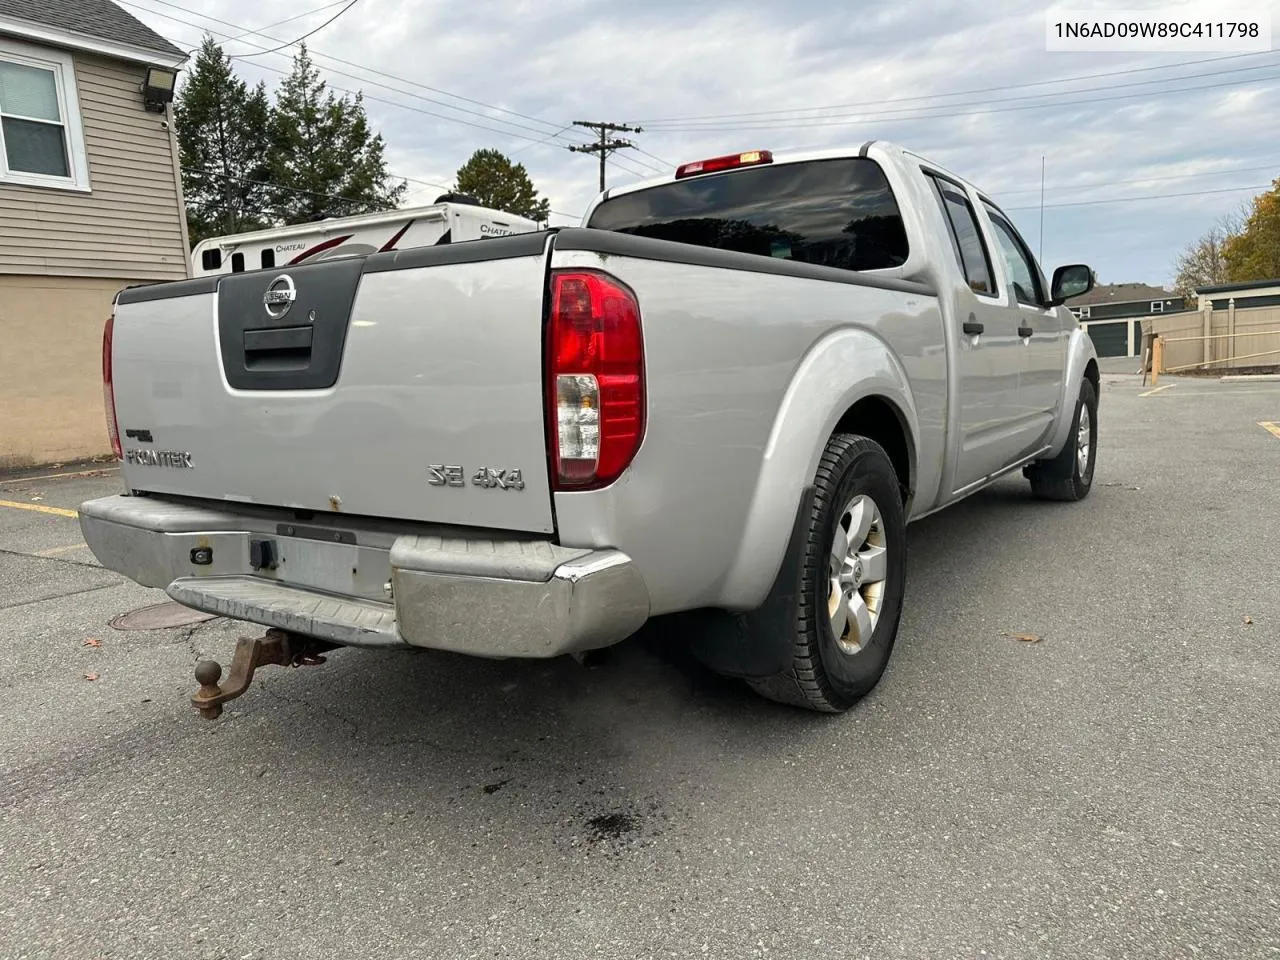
(834, 213)
(966, 238)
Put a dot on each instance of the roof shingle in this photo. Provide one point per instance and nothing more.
(99, 19)
(1113, 292)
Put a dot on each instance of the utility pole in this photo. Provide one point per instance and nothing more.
(605, 146)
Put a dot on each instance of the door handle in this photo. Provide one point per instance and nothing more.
(973, 328)
(1025, 331)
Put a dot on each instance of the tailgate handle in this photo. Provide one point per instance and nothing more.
(278, 348)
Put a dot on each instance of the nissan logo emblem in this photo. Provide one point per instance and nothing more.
(279, 296)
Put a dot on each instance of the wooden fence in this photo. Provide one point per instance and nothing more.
(1216, 340)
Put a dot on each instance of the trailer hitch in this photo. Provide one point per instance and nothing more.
(275, 647)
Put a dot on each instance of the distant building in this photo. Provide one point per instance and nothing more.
(1259, 293)
(1112, 314)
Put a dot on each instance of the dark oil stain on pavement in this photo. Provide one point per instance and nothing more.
(612, 826)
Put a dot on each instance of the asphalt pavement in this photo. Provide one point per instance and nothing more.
(1112, 790)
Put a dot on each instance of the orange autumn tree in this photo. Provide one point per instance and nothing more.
(1254, 253)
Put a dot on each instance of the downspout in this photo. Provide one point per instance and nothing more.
(176, 156)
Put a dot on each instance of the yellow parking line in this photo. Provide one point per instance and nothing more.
(1271, 427)
(56, 551)
(59, 476)
(38, 508)
(1157, 389)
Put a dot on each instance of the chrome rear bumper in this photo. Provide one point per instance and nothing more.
(484, 597)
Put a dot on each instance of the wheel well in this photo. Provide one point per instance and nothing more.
(1091, 374)
(877, 419)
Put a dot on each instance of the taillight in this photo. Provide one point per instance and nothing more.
(108, 391)
(595, 379)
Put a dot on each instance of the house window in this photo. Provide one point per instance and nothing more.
(41, 141)
(1080, 313)
(1157, 306)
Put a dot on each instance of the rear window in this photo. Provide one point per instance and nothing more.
(835, 213)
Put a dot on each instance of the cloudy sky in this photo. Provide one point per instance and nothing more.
(970, 85)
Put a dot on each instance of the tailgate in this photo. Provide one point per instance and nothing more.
(404, 385)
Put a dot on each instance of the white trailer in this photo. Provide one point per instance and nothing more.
(451, 219)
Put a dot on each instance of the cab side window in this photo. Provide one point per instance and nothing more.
(1023, 273)
(966, 239)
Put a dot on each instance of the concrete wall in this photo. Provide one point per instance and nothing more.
(1236, 333)
(51, 368)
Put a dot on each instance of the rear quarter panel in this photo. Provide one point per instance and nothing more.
(722, 349)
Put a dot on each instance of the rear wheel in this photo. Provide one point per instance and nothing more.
(1069, 475)
(852, 581)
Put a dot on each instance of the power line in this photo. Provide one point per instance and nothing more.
(666, 164)
(281, 23)
(1154, 196)
(358, 66)
(642, 174)
(604, 147)
(309, 33)
(649, 166)
(546, 139)
(266, 183)
(1176, 176)
(393, 103)
(963, 93)
(950, 112)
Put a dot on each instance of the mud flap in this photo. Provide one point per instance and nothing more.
(761, 643)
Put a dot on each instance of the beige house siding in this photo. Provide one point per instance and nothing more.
(51, 368)
(131, 224)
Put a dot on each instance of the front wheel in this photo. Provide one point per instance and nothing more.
(1069, 475)
(852, 581)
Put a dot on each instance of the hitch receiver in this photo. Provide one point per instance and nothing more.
(275, 647)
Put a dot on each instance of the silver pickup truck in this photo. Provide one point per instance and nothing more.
(721, 399)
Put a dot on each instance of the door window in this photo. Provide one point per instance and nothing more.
(1023, 273)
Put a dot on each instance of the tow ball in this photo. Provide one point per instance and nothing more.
(275, 647)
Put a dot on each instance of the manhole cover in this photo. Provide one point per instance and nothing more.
(162, 616)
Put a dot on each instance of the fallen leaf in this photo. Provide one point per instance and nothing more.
(91, 676)
(1025, 637)
(92, 642)
(36, 499)
(1248, 620)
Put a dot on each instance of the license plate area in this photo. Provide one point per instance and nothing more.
(345, 569)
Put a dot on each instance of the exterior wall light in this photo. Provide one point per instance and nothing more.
(157, 89)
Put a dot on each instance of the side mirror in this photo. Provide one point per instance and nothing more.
(1070, 281)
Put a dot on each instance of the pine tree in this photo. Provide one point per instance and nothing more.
(325, 160)
(495, 181)
(222, 129)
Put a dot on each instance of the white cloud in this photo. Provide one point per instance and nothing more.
(664, 59)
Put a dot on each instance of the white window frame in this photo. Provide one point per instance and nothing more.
(64, 75)
(1157, 306)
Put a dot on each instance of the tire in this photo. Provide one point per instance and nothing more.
(855, 484)
(1066, 478)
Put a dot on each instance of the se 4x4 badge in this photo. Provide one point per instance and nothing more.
(453, 475)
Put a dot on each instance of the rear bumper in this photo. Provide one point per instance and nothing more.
(484, 597)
